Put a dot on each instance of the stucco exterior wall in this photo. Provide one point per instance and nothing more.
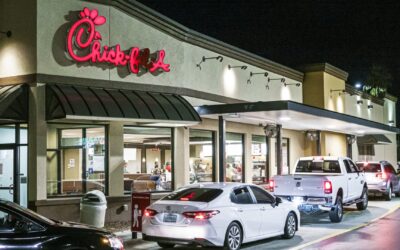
(312, 89)
(55, 17)
(333, 144)
(376, 113)
(333, 96)
(18, 52)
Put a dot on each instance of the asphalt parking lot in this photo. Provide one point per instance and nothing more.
(313, 228)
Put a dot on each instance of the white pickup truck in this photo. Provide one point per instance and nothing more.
(323, 183)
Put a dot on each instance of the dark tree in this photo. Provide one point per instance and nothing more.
(379, 79)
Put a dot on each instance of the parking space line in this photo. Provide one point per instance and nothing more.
(346, 230)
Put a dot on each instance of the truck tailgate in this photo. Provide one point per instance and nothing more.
(299, 185)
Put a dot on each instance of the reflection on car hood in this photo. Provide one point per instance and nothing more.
(83, 227)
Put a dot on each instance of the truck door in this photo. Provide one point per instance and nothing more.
(354, 179)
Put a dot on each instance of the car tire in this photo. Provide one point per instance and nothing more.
(362, 205)
(388, 195)
(165, 245)
(233, 237)
(336, 213)
(290, 226)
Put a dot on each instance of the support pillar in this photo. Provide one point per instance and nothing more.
(221, 148)
(279, 148)
(318, 142)
(37, 143)
(181, 157)
(248, 161)
(267, 159)
(116, 159)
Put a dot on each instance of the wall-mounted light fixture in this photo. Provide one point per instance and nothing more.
(277, 79)
(360, 102)
(370, 106)
(243, 67)
(340, 91)
(270, 130)
(259, 73)
(7, 33)
(351, 139)
(311, 135)
(391, 123)
(203, 59)
(297, 84)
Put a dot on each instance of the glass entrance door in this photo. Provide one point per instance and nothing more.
(7, 174)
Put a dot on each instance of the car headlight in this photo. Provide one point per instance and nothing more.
(114, 242)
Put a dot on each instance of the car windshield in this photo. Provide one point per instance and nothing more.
(320, 166)
(29, 212)
(194, 194)
(370, 167)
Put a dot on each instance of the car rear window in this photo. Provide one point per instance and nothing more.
(195, 194)
(320, 166)
(370, 167)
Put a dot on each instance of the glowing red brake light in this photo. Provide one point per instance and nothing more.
(271, 185)
(327, 187)
(150, 212)
(201, 215)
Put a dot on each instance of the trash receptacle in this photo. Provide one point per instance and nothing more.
(93, 208)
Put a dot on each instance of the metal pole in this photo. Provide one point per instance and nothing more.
(221, 148)
(279, 148)
(318, 142)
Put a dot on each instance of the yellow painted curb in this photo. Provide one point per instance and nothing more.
(346, 230)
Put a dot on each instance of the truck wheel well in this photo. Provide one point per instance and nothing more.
(340, 192)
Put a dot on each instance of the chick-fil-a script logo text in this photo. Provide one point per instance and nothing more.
(83, 35)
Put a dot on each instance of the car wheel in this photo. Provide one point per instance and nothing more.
(165, 245)
(362, 205)
(336, 214)
(233, 237)
(388, 195)
(290, 226)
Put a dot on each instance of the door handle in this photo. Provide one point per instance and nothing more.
(349, 178)
(263, 209)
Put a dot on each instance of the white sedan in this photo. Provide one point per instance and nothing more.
(219, 214)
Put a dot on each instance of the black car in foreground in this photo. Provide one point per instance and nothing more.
(21, 228)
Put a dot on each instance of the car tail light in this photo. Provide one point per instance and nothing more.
(327, 187)
(381, 175)
(271, 185)
(201, 215)
(150, 212)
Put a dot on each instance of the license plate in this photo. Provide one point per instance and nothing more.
(306, 207)
(171, 218)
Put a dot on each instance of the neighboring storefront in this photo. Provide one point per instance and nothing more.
(111, 96)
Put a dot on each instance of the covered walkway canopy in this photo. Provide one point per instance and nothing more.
(295, 116)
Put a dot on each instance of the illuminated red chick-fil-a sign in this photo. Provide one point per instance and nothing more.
(83, 36)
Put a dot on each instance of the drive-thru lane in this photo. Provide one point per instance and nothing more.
(314, 229)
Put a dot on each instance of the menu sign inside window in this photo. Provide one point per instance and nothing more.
(83, 45)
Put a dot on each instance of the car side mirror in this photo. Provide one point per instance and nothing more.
(278, 200)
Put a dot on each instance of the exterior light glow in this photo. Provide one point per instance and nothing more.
(358, 85)
(284, 118)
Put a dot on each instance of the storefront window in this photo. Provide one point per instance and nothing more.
(234, 157)
(258, 156)
(148, 159)
(201, 162)
(75, 159)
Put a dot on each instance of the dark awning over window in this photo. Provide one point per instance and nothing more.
(373, 139)
(68, 101)
(13, 103)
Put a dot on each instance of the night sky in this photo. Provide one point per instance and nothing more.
(351, 35)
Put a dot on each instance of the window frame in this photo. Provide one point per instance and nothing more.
(213, 144)
(23, 218)
(83, 146)
(242, 137)
(271, 197)
(232, 194)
